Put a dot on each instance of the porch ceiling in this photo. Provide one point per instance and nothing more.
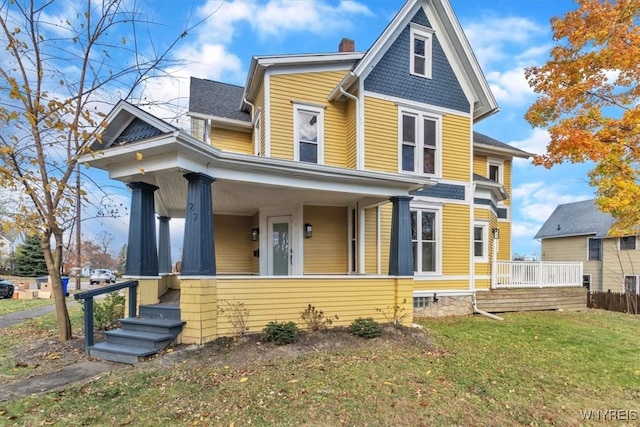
(241, 198)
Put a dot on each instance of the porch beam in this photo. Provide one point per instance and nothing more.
(400, 254)
(142, 255)
(198, 255)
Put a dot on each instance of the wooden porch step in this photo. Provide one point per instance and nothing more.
(120, 353)
(532, 299)
(143, 339)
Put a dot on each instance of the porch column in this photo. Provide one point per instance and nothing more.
(142, 256)
(164, 245)
(198, 254)
(401, 253)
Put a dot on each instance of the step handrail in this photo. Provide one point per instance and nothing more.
(87, 302)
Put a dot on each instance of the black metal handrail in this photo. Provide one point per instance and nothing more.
(87, 297)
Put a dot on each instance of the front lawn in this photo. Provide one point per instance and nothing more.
(530, 369)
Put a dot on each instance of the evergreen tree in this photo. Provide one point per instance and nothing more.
(122, 259)
(30, 258)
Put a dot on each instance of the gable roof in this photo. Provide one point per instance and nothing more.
(484, 142)
(213, 98)
(454, 41)
(576, 219)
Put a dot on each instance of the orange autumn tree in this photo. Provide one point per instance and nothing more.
(589, 100)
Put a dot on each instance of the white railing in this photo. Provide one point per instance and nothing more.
(535, 274)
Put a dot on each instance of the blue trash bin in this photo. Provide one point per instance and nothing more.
(65, 283)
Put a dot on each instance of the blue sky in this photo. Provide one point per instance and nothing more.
(506, 35)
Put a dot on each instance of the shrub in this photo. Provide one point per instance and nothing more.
(107, 313)
(281, 333)
(365, 328)
(237, 314)
(395, 315)
(315, 319)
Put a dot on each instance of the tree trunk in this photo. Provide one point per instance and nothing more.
(54, 260)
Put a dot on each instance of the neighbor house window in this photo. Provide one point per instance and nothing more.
(595, 249)
(420, 59)
(308, 124)
(424, 237)
(480, 246)
(628, 243)
(631, 284)
(419, 142)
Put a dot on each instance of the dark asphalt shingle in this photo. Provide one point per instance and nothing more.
(216, 99)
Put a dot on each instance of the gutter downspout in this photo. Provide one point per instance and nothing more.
(253, 107)
(472, 279)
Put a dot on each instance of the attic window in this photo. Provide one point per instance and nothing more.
(308, 122)
(420, 59)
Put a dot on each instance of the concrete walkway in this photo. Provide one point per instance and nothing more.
(60, 379)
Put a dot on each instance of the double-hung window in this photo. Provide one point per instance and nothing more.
(308, 122)
(425, 240)
(495, 171)
(420, 56)
(480, 242)
(595, 249)
(419, 143)
(628, 243)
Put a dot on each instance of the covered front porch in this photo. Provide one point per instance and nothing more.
(274, 235)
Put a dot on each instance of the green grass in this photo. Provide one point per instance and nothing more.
(8, 306)
(42, 327)
(531, 369)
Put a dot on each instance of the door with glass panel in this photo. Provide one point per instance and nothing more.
(279, 251)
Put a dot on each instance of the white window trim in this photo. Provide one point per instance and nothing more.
(297, 108)
(426, 34)
(485, 241)
(624, 285)
(500, 164)
(620, 245)
(418, 165)
(415, 206)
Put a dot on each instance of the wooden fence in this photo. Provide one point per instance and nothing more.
(614, 301)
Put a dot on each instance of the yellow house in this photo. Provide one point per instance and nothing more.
(353, 181)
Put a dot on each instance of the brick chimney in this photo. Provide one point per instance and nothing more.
(347, 45)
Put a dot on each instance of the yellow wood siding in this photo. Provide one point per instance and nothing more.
(456, 147)
(440, 285)
(480, 165)
(350, 134)
(455, 240)
(326, 251)
(313, 88)
(381, 135)
(234, 248)
(282, 299)
(484, 268)
(507, 180)
(232, 140)
(504, 243)
(371, 240)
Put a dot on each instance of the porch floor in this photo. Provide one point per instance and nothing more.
(172, 296)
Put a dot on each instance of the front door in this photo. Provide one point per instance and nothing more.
(279, 254)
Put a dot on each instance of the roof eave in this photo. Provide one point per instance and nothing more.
(513, 152)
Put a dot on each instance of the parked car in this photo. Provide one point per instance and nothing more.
(102, 276)
(6, 289)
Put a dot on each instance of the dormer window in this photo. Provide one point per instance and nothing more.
(308, 127)
(421, 40)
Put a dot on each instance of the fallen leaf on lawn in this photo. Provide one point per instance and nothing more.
(54, 356)
(388, 383)
(428, 372)
(293, 381)
(244, 379)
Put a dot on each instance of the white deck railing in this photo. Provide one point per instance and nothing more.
(535, 274)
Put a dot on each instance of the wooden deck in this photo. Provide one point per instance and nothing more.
(532, 299)
(172, 296)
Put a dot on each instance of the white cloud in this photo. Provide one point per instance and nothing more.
(535, 143)
(510, 87)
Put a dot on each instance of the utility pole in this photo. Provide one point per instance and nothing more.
(78, 227)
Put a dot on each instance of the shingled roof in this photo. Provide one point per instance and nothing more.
(216, 99)
(576, 219)
(480, 138)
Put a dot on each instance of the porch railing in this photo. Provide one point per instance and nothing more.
(87, 301)
(535, 274)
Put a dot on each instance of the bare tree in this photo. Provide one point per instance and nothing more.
(63, 63)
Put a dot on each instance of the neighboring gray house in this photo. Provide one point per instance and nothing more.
(579, 231)
(8, 245)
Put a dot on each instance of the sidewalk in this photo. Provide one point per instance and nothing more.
(74, 373)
